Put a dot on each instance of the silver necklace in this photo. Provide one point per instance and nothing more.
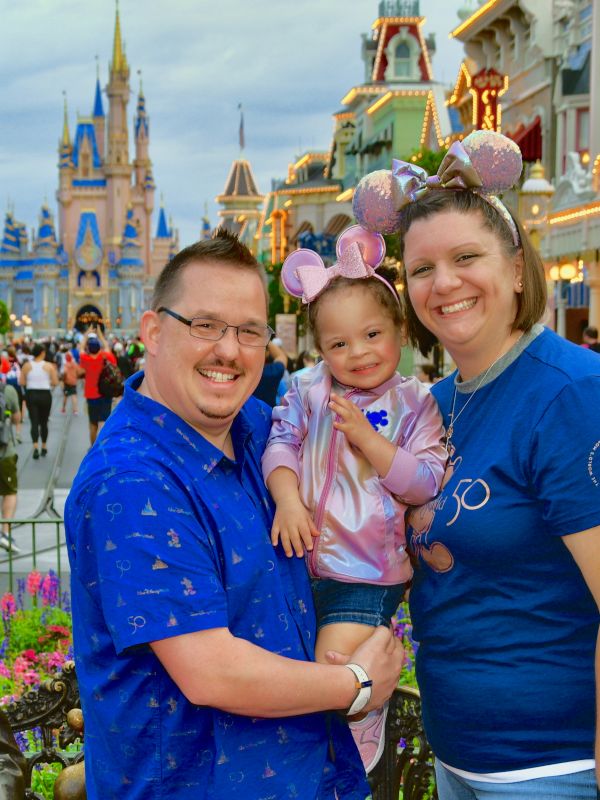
(450, 429)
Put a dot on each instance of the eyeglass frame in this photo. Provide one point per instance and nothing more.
(189, 322)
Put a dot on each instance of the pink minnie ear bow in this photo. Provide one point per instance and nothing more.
(485, 162)
(359, 253)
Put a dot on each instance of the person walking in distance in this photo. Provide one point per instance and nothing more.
(10, 416)
(71, 372)
(39, 377)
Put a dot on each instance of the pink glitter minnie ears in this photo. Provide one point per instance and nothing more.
(359, 253)
(485, 162)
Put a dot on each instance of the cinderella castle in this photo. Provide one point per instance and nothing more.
(102, 261)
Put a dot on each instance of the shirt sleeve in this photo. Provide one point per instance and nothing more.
(565, 459)
(416, 473)
(153, 563)
(288, 431)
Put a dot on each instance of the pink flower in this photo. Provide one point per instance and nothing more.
(31, 655)
(34, 580)
(4, 670)
(8, 605)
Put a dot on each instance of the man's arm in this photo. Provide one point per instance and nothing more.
(215, 668)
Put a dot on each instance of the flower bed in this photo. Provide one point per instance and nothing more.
(37, 640)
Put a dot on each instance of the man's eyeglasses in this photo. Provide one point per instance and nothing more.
(250, 334)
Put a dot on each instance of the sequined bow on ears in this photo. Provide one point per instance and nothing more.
(455, 172)
(359, 253)
(314, 279)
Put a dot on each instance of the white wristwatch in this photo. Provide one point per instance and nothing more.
(363, 684)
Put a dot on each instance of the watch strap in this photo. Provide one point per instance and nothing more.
(364, 687)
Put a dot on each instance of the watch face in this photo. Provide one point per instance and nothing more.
(88, 255)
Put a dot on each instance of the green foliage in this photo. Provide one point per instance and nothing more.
(276, 299)
(429, 160)
(4, 318)
(29, 630)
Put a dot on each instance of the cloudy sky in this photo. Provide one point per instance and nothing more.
(289, 62)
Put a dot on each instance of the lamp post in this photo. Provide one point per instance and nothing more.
(534, 204)
(21, 324)
(560, 274)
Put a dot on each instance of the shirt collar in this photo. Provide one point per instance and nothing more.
(174, 431)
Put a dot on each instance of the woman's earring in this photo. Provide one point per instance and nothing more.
(520, 284)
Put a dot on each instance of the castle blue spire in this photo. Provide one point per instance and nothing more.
(162, 230)
(98, 110)
(141, 119)
(46, 237)
(11, 237)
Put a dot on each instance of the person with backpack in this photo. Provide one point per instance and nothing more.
(9, 415)
(12, 378)
(94, 352)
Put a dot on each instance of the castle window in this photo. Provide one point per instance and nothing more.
(402, 61)
(403, 52)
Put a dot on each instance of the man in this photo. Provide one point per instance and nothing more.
(193, 636)
(590, 339)
(8, 464)
(94, 350)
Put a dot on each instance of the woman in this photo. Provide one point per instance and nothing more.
(505, 599)
(38, 377)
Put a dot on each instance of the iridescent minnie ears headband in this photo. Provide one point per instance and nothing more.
(359, 253)
(485, 162)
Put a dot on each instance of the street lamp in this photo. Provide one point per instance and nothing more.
(559, 274)
(534, 203)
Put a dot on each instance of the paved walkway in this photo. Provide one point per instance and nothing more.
(68, 441)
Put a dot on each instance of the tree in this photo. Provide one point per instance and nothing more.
(429, 160)
(4, 318)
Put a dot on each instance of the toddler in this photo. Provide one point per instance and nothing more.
(352, 445)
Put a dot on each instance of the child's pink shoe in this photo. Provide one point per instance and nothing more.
(369, 736)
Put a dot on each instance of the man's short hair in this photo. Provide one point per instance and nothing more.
(591, 332)
(223, 248)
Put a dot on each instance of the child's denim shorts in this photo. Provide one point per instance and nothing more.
(365, 603)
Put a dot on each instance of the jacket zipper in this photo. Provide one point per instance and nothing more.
(329, 475)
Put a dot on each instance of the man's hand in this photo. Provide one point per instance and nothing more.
(382, 657)
(294, 526)
(352, 422)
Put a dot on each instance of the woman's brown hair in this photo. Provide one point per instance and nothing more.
(531, 301)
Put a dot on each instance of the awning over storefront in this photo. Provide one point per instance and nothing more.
(529, 139)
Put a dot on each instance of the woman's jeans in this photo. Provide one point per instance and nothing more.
(575, 786)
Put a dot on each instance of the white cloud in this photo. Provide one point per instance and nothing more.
(289, 63)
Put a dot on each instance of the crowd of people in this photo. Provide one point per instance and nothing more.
(30, 371)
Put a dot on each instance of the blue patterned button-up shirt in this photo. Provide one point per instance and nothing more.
(168, 536)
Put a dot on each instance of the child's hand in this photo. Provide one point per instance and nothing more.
(353, 423)
(294, 526)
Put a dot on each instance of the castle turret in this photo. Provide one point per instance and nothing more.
(131, 273)
(205, 229)
(141, 127)
(117, 168)
(46, 269)
(99, 119)
(65, 164)
(161, 243)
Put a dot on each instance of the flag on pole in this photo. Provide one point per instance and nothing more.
(242, 140)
